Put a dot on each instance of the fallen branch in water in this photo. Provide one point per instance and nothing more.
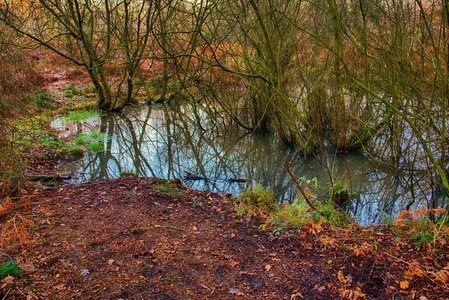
(46, 177)
(301, 190)
(191, 176)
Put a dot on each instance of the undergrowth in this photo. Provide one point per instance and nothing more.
(81, 115)
(418, 227)
(281, 217)
(170, 187)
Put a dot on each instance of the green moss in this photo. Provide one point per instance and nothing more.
(89, 106)
(71, 91)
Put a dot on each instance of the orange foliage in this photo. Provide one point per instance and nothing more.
(416, 216)
(14, 230)
(6, 207)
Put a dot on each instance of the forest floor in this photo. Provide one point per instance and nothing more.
(147, 238)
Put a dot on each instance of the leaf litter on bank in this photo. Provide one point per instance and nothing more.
(128, 238)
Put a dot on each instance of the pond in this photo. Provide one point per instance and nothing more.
(166, 142)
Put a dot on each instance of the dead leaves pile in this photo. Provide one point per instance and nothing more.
(15, 228)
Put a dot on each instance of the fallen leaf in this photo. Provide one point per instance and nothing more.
(236, 292)
(348, 278)
(295, 296)
(404, 284)
(267, 268)
(317, 228)
(352, 295)
(27, 267)
(341, 277)
(31, 296)
(6, 281)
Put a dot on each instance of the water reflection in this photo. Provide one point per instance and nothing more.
(165, 142)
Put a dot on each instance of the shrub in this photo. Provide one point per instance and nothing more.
(260, 197)
(418, 227)
(340, 193)
(75, 152)
(17, 79)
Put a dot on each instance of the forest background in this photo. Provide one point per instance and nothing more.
(344, 74)
(352, 74)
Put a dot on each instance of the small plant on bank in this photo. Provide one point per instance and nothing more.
(169, 187)
(44, 99)
(195, 202)
(296, 213)
(71, 90)
(10, 268)
(125, 173)
(328, 212)
(75, 152)
(340, 193)
(259, 198)
(259, 201)
(420, 229)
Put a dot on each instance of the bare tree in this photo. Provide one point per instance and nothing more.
(100, 36)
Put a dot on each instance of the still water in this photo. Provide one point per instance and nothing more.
(165, 142)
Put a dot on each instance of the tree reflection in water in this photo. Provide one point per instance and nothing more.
(165, 141)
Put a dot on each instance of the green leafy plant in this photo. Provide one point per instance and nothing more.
(195, 202)
(281, 227)
(10, 268)
(329, 213)
(340, 192)
(296, 213)
(75, 152)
